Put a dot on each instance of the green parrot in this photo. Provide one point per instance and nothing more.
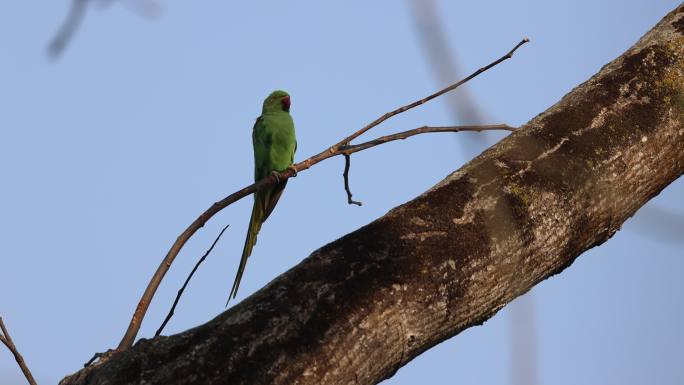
(273, 137)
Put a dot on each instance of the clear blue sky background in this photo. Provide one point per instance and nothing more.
(109, 152)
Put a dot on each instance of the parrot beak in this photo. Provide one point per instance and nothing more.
(286, 103)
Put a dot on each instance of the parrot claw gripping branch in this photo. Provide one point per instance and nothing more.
(344, 147)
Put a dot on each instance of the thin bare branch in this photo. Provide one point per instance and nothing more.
(6, 339)
(97, 356)
(430, 97)
(345, 175)
(187, 280)
(350, 149)
(143, 304)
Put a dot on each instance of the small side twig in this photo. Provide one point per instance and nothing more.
(180, 291)
(345, 174)
(102, 356)
(7, 341)
(426, 99)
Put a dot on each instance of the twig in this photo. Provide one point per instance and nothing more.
(180, 292)
(7, 340)
(143, 304)
(345, 174)
(103, 356)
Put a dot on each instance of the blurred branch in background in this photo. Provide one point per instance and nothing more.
(73, 20)
(659, 224)
(443, 63)
(444, 67)
(68, 28)
(7, 341)
(524, 344)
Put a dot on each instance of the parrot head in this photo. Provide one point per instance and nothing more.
(277, 101)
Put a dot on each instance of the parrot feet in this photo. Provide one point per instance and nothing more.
(276, 176)
(294, 169)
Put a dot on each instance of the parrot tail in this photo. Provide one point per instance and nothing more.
(254, 226)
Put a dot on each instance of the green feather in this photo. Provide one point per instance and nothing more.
(273, 137)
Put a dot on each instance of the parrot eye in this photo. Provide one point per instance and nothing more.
(286, 103)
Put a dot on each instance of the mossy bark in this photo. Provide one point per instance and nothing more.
(361, 307)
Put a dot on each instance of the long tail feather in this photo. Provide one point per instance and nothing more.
(254, 226)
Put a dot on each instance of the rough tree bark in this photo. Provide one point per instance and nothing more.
(359, 308)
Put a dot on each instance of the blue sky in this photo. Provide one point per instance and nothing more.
(109, 152)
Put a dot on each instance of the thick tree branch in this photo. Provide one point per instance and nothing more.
(139, 313)
(426, 99)
(361, 307)
(442, 58)
(6, 339)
